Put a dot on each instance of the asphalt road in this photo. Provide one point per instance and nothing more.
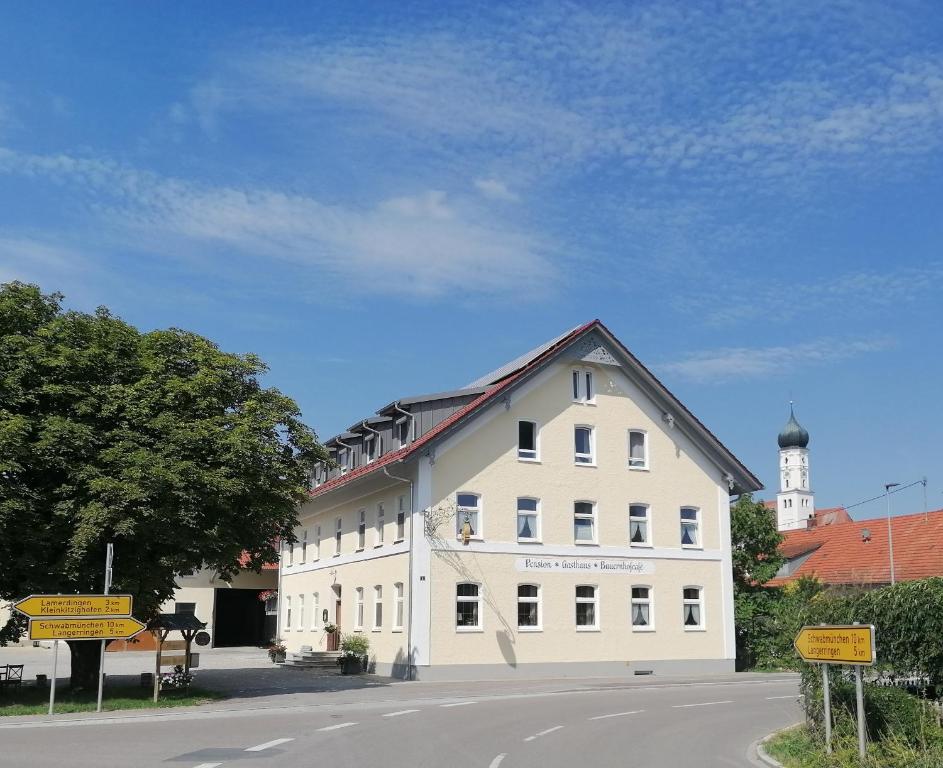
(577, 724)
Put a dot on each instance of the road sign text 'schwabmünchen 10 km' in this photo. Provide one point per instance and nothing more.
(845, 644)
(119, 628)
(37, 606)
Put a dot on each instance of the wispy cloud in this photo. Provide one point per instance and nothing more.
(496, 190)
(720, 365)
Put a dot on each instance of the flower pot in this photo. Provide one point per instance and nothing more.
(351, 665)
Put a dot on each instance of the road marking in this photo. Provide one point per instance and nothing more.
(543, 733)
(457, 704)
(401, 712)
(497, 761)
(702, 704)
(616, 714)
(335, 727)
(267, 744)
(794, 696)
(208, 765)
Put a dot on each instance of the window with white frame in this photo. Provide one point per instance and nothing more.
(315, 607)
(369, 448)
(468, 507)
(643, 617)
(304, 545)
(301, 613)
(528, 519)
(377, 607)
(401, 430)
(290, 552)
(583, 391)
(639, 526)
(692, 603)
(399, 606)
(638, 449)
(587, 607)
(361, 529)
(690, 527)
(358, 619)
(584, 522)
(380, 526)
(583, 445)
(288, 613)
(528, 607)
(401, 518)
(317, 542)
(337, 536)
(527, 440)
(343, 459)
(467, 606)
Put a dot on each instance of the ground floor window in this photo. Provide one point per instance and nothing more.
(399, 606)
(468, 606)
(528, 607)
(693, 607)
(587, 615)
(641, 609)
(359, 622)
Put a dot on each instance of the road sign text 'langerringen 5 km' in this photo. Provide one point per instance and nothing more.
(844, 644)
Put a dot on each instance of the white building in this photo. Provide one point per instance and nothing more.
(564, 514)
(795, 502)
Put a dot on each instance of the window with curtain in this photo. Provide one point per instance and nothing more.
(584, 522)
(638, 525)
(642, 608)
(586, 613)
(468, 505)
(638, 449)
(690, 527)
(527, 520)
(693, 608)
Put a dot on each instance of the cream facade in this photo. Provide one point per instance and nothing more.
(571, 518)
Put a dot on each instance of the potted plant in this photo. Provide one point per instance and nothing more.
(353, 658)
(276, 652)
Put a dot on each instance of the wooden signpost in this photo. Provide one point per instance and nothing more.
(851, 644)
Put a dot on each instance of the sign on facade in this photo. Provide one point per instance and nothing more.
(615, 565)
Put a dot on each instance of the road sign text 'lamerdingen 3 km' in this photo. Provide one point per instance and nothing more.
(36, 606)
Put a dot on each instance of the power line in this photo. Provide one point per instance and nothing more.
(922, 481)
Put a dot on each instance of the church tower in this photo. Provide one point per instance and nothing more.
(795, 503)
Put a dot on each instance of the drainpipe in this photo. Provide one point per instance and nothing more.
(409, 619)
(407, 414)
(376, 437)
(350, 453)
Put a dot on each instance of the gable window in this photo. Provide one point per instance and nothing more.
(639, 529)
(690, 527)
(641, 609)
(358, 620)
(369, 448)
(584, 522)
(528, 607)
(587, 615)
(314, 611)
(692, 603)
(381, 523)
(527, 440)
(467, 607)
(362, 529)
(377, 607)
(401, 518)
(468, 507)
(583, 391)
(337, 537)
(528, 520)
(304, 545)
(583, 445)
(399, 605)
(288, 613)
(638, 449)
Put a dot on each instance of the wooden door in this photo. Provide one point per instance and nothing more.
(333, 642)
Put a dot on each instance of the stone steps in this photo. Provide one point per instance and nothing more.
(324, 662)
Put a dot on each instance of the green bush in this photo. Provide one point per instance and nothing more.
(354, 645)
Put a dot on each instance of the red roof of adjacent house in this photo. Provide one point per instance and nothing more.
(244, 561)
(844, 554)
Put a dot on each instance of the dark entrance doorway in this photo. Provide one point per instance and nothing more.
(333, 641)
(239, 619)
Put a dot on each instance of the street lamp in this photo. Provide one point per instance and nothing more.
(890, 535)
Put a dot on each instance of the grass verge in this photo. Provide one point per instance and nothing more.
(33, 701)
(798, 748)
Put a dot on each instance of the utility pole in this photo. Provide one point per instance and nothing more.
(890, 533)
(109, 556)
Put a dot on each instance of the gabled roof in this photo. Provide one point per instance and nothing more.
(514, 373)
(843, 555)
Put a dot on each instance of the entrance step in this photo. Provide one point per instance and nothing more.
(323, 662)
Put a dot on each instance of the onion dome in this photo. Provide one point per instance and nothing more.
(793, 435)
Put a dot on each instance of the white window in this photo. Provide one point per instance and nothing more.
(643, 616)
(583, 391)
(377, 607)
(467, 607)
(290, 551)
(380, 527)
(528, 607)
(527, 440)
(314, 611)
(337, 536)
(369, 448)
(401, 518)
(304, 545)
(583, 445)
(343, 459)
(639, 528)
(317, 542)
(399, 606)
(587, 608)
(288, 613)
(528, 519)
(690, 527)
(401, 430)
(584, 522)
(638, 449)
(468, 507)
(362, 529)
(692, 603)
(358, 621)
(301, 613)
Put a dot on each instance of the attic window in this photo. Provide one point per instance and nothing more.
(402, 430)
(370, 448)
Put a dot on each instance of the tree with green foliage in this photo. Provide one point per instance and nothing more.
(756, 559)
(158, 442)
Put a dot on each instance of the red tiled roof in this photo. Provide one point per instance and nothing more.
(842, 556)
(244, 561)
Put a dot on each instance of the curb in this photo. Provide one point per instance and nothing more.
(757, 750)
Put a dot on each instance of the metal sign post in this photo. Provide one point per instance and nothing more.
(862, 731)
(52, 683)
(109, 557)
(828, 709)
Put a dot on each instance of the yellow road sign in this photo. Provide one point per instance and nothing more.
(37, 606)
(118, 628)
(843, 644)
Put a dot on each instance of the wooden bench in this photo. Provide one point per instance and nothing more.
(11, 675)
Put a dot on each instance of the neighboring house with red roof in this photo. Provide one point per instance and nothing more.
(563, 514)
(856, 553)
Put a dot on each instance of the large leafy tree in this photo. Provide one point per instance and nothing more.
(756, 559)
(158, 442)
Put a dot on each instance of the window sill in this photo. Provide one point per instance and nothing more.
(639, 545)
(470, 538)
(336, 554)
(377, 629)
(356, 629)
(586, 543)
(399, 541)
(643, 629)
(359, 549)
(525, 460)
(692, 546)
(377, 546)
(529, 541)
(588, 629)
(695, 629)
(397, 630)
(591, 464)
(640, 469)
(530, 629)
(468, 630)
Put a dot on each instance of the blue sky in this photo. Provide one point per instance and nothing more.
(388, 199)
